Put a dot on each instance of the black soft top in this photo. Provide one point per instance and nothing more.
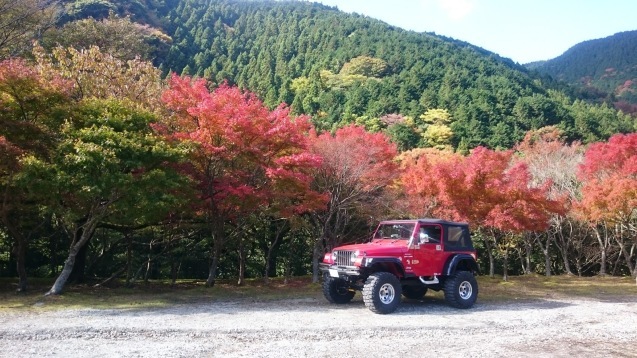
(428, 221)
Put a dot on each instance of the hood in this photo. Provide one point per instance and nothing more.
(378, 247)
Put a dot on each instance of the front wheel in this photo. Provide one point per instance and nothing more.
(461, 290)
(337, 290)
(381, 292)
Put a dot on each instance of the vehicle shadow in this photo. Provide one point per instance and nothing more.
(437, 305)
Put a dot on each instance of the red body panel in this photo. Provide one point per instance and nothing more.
(420, 257)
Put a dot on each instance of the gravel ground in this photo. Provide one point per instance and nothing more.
(313, 328)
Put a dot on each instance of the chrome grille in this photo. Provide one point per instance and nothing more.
(343, 258)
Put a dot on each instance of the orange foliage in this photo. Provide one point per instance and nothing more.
(609, 175)
(356, 157)
(483, 188)
(245, 156)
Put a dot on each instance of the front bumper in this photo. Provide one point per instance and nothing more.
(337, 271)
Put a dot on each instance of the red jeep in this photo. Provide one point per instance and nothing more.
(404, 257)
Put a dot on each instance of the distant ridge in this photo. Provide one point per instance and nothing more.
(605, 68)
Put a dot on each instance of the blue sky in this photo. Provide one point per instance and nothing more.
(522, 30)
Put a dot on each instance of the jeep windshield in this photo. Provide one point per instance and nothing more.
(394, 231)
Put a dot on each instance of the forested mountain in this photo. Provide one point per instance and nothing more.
(604, 69)
(304, 54)
(343, 68)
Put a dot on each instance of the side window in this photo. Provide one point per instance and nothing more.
(431, 233)
(457, 239)
(455, 236)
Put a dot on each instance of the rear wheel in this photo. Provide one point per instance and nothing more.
(414, 292)
(381, 292)
(337, 290)
(461, 289)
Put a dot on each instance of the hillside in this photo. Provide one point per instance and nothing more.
(603, 68)
(342, 68)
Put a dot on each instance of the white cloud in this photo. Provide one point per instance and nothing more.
(457, 10)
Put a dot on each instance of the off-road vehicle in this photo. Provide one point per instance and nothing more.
(404, 257)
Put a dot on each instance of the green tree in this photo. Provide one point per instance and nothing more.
(22, 21)
(119, 37)
(438, 134)
(31, 107)
(97, 74)
(365, 66)
(107, 161)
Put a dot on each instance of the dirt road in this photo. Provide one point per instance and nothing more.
(311, 327)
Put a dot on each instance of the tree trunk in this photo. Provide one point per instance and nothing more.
(505, 275)
(212, 272)
(529, 251)
(129, 260)
(149, 262)
(175, 267)
(545, 250)
(562, 244)
(274, 245)
(20, 252)
(627, 255)
(603, 251)
(58, 286)
(578, 266)
(78, 273)
(88, 229)
(317, 255)
(566, 262)
(266, 271)
(322, 223)
(21, 255)
(491, 265)
(632, 250)
(242, 262)
(490, 247)
(547, 260)
(522, 260)
(287, 271)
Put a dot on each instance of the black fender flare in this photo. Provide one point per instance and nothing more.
(376, 264)
(460, 259)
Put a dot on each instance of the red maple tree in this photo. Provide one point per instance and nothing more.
(609, 174)
(485, 189)
(244, 157)
(357, 167)
(609, 193)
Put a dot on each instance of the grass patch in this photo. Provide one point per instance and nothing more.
(162, 293)
(152, 294)
(530, 287)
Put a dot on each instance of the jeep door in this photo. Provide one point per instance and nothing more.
(428, 257)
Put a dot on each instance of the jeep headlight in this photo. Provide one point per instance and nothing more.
(355, 255)
(334, 256)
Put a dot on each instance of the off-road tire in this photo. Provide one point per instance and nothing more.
(381, 292)
(337, 290)
(461, 289)
(414, 292)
